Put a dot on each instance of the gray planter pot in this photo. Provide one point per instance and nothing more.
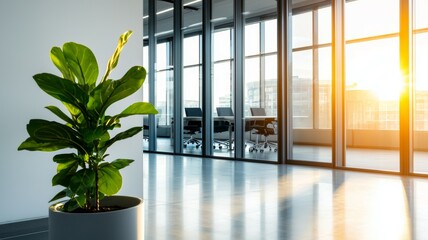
(125, 224)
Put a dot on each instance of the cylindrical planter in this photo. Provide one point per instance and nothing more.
(124, 224)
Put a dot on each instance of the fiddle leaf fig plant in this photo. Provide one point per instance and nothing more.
(85, 173)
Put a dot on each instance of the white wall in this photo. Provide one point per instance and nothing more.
(28, 31)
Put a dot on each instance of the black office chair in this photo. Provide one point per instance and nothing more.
(262, 127)
(225, 112)
(192, 127)
(146, 128)
(224, 126)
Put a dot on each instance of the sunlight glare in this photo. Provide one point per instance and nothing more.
(389, 89)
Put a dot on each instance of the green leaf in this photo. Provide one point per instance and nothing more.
(112, 122)
(66, 162)
(43, 131)
(81, 200)
(31, 145)
(65, 171)
(123, 135)
(72, 109)
(139, 108)
(90, 135)
(62, 89)
(65, 158)
(82, 181)
(59, 195)
(114, 59)
(110, 180)
(71, 205)
(58, 59)
(60, 114)
(82, 63)
(109, 92)
(121, 163)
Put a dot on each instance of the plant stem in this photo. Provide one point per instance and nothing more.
(97, 194)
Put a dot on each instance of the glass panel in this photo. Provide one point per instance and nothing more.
(271, 77)
(191, 53)
(302, 32)
(373, 85)
(260, 80)
(270, 36)
(222, 44)
(222, 78)
(366, 18)
(164, 97)
(260, 90)
(311, 89)
(164, 94)
(163, 74)
(252, 84)
(420, 114)
(325, 89)
(252, 39)
(324, 25)
(302, 90)
(192, 77)
(421, 18)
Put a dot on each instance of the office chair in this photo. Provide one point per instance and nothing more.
(225, 112)
(193, 126)
(146, 128)
(224, 126)
(263, 127)
(220, 126)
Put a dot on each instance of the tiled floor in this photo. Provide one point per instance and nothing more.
(194, 198)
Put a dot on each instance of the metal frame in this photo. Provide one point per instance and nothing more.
(338, 70)
(152, 73)
(284, 73)
(406, 99)
(238, 56)
(178, 76)
(207, 86)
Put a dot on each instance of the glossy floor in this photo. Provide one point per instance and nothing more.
(195, 198)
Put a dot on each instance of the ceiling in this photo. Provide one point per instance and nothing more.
(222, 12)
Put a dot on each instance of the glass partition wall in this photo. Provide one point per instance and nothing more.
(208, 80)
(354, 95)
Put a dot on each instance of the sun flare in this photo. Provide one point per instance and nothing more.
(389, 89)
(388, 92)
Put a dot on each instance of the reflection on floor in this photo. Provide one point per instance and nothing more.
(197, 198)
(194, 198)
(362, 158)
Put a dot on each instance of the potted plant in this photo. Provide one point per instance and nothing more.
(89, 179)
